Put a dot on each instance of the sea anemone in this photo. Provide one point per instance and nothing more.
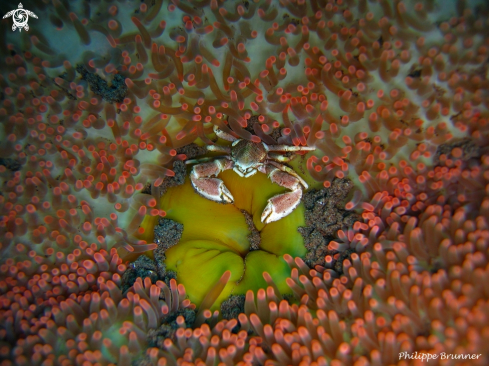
(100, 101)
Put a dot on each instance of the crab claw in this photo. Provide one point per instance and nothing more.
(281, 205)
(213, 189)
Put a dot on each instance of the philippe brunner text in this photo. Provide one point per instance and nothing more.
(438, 356)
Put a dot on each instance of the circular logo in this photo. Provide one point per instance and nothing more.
(20, 18)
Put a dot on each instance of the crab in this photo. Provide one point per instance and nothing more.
(247, 158)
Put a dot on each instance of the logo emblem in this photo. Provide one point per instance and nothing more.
(20, 17)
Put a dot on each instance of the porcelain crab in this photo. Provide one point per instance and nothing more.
(246, 158)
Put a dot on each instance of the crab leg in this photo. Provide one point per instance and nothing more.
(283, 204)
(288, 170)
(280, 157)
(199, 160)
(290, 148)
(212, 188)
(219, 148)
(223, 135)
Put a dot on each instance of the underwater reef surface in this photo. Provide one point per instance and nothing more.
(109, 256)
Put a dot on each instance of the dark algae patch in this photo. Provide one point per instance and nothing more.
(192, 150)
(469, 150)
(166, 234)
(10, 164)
(169, 326)
(325, 215)
(233, 306)
(115, 92)
(167, 329)
(142, 267)
(178, 179)
(254, 238)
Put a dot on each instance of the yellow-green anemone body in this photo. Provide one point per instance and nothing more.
(215, 237)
